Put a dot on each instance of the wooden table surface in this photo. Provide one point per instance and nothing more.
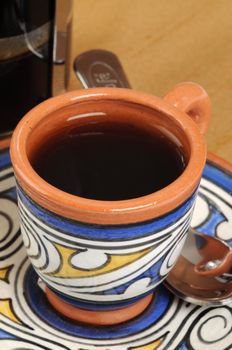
(161, 44)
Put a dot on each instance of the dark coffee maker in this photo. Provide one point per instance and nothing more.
(26, 47)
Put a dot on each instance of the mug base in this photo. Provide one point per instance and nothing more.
(101, 318)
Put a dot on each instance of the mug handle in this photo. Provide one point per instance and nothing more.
(193, 100)
(189, 97)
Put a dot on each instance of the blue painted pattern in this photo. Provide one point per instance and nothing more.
(4, 158)
(218, 176)
(106, 232)
(178, 325)
(146, 252)
(6, 335)
(38, 303)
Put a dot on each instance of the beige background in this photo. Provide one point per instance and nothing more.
(161, 43)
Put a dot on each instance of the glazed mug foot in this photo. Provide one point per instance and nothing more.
(101, 318)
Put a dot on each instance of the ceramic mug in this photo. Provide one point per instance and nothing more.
(101, 261)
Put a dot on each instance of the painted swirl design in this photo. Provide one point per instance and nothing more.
(84, 270)
(212, 330)
(27, 322)
(10, 238)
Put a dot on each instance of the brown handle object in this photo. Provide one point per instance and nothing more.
(100, 68)
(192, 99)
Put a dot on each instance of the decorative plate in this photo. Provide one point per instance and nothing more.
(28, 322)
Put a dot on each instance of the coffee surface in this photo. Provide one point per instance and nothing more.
(109, 161)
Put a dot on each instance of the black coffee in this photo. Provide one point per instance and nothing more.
(109, 162)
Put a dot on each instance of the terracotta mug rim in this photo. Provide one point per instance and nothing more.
(92, 211)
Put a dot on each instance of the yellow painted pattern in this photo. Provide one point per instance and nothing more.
(151, 346)
(115, 262)
(4, 273)
(6, 310)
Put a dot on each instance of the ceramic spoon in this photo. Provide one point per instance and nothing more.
(203, 272)
(214, 255)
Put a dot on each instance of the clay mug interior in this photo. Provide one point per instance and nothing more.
(132, 244)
